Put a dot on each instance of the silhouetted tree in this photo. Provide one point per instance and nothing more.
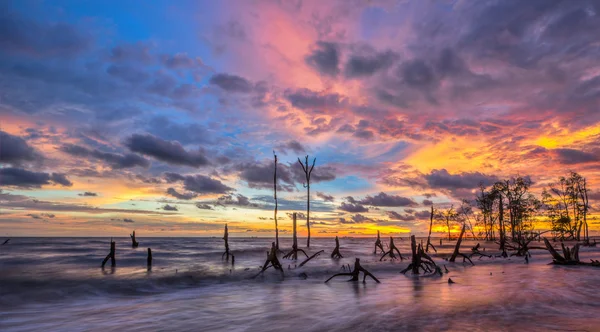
(521, 204)
(378, 244)
(448, 217)
(294, 253)
(111, 255)
(275, 197)
(567, 206)
(336, 250)
(431, 216)
(307, 173)
(134, 243)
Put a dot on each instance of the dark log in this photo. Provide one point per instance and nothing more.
(134, 243)
(378, 245)
(311, 257)
(149, 259)
(355, 273)
(5, 242)
(429, 236)
(271, 261)
(457, 249)
(390, 252)
(294, 253)
(420, 260)
(336, 251)
(111, 255)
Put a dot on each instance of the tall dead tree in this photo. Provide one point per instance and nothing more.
(336, 251)
(378, 245)
(390, 252)
(307, 173)
(502, 229)
(457, 249)
(429, 236)
(355, 273)
(294, 253)
(134, 243)
(226, 239)
(275, 197)
(111, 255)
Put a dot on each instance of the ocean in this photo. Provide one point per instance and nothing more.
(56, 284)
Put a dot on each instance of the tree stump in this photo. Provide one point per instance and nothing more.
(355, 273)
(391, 251)
(336, 252)
(378, 244)
(111, 255)
(227, 253)
(457, 249)
(294, 253)
(570, 256)
(134, 243)
(149, 259)
(271, 261)
(420, 260)
(475, 252)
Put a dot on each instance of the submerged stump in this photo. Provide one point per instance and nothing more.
(149, 261)
(378, 244)
(421, 260)
(355, 273)
(391, 251)
(272, 261)
(111, 255)
(570, 256)
(134, 243)
(336, 252)
(226, 254)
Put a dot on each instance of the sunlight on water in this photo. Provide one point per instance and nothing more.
(190, 288)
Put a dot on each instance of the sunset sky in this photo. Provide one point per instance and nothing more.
(162, 116)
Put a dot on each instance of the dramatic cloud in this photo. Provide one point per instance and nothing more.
(293, 146)
(444, 180)
(235, 199)
(352, 208)
(115, 160)
(368, 63)
(18, 177)
(168, 151)
(402, 217)
(168, 207)
(325, 197)
(324, 58)
(573, 156)
(383, 199)
(231, 83)
(200, 184)
(14, 149)
(184, 196)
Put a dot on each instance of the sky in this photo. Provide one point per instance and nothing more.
(163, 116)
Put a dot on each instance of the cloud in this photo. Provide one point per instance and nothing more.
(427, 202)
(88, 194)
(168, 207)
(115, 160)
(293, 146)
(403, 217)
(15, 150)
(467, 180)
(128, 220)
(574, 156)
(306, 99)
(383, 199)
(19, 177)
(324, 58)
(368, 63)
(325, 197)
(203, 206)
(41, 215)
(235, 199)
(231, 83)
(200, 184)
(168, 151)
(352, 208)
(185, 196)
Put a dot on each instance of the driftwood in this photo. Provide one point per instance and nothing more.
(570, 256)
(420, 260)
(294, 253)
(378, 245)
(227, 253)
(5, 242)
(311, 257)
(336, 251)
(390, 252)
(457, 249)
(149, 259)
(355, 273)
(111, 255)
(271, 261)
(475, 252)
(429, 236)
(134, 243)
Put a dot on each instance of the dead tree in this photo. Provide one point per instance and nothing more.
(429, 236)
(457, 249)
(311, 257)
(275, 197)
(355, 273)
(294, 253)
(307, 173)
(134, 243)
(502, 230)
(271, 261)
(475, 252)
(149, 259)
(378, 245)
(390, 252)
(111, 255)
(420, 260)
(570, 256)
(226, 239)
(521, 245)
(336, 251)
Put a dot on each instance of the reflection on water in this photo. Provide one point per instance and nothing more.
(57, 284)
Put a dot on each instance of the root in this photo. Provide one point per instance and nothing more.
(355, 273)
(390, 252)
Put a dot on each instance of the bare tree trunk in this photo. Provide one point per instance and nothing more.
(378, 244)
(134, 243)
(294, 253)
(111, 255)
(149, 259)
(275, 196)
(429, 236)
(457, 248)
(307, 174)
(336, 252)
